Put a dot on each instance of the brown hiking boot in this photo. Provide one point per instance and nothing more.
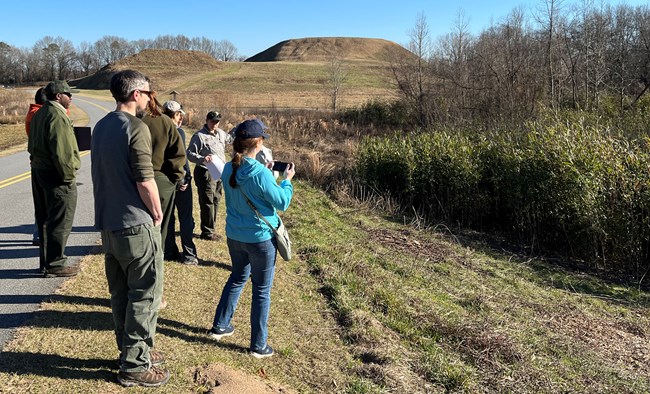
(155, 357)
(153, 377)
(61, 271)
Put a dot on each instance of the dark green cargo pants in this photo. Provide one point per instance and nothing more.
(209, 192)
(166, 192)
(55, 203)
(134, 270)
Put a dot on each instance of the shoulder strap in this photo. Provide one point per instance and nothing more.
(250, 204)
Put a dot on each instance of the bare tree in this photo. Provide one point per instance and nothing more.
(414, 74)
(225, 51)
(110, 49)
(641, 51)
(337, 76)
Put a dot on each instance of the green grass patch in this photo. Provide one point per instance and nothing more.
(368, 306)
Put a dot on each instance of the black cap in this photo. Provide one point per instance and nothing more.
(214, 116)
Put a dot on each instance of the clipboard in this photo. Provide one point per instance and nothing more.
(215, 167)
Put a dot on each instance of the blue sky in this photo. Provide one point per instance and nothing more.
(252, 26)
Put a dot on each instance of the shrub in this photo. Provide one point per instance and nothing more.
(574, 187)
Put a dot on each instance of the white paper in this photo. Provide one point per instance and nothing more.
(215, 167)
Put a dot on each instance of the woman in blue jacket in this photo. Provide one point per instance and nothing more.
(251, 243)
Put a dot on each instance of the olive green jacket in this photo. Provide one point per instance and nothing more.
(167, 149)
(52, 144)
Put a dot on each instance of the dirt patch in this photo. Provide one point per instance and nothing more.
(405, 242)
(622, 343)
(221, 379)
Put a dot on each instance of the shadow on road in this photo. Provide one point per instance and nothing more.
(30, 251)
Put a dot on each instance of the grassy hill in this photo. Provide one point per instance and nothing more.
(266, 81)
(324, 49)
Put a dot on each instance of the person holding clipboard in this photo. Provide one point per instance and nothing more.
(207, 148)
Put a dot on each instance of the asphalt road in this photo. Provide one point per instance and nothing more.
(22, 287)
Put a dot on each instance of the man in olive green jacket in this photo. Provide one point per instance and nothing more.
(55, 160)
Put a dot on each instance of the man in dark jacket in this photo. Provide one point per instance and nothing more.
(54, 156)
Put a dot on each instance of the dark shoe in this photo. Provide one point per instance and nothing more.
(211, 237)
(218, 333)
(266, 352)
(155, 357)
(153, 377)
(36, 242)
(61, 271)
(190, 260)
(172, 257)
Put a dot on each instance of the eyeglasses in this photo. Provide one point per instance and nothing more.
(147, 92)
(67, 94)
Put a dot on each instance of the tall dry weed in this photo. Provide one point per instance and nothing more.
(14, 104)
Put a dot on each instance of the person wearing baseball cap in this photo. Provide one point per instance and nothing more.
(55, 160)
(206, 145)
(251, 243)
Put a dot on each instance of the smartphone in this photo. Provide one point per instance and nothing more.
(279, 166)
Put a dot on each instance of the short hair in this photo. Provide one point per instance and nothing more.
(125, 82)
(39, 97)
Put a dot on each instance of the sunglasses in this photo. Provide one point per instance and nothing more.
(147, 92)
(67, 94)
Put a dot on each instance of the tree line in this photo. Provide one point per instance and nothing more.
(584, 57)
(53, 58)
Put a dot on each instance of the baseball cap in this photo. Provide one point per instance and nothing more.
(251, 128)
(261, 124)
(57, 86)
(173, 106)
(213, 115)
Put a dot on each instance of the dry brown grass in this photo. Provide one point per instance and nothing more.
(13, 105)
(12, 126)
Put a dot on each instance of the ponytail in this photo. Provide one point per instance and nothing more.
(240, 147)
(236, 163)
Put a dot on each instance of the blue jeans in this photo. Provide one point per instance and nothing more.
(256, 260)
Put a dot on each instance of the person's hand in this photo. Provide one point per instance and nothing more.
(269, 165)
(182, 187)
(157, 219)
(290, 171)
(208, 158)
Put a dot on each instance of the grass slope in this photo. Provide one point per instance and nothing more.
(204, 82)
(368, 306)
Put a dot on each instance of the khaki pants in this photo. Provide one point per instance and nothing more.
(166, 193)
(134, 270)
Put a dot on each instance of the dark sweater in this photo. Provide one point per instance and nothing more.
(168, 152)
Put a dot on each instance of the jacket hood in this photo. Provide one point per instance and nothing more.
(248, 169)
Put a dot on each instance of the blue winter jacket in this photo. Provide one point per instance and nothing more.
(259, 185)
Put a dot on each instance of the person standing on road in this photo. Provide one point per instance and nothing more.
(205, 144)
(55, 160)
(168, 157)
(251, 243)
(128, 214)
(182, 201)
(39, 100)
